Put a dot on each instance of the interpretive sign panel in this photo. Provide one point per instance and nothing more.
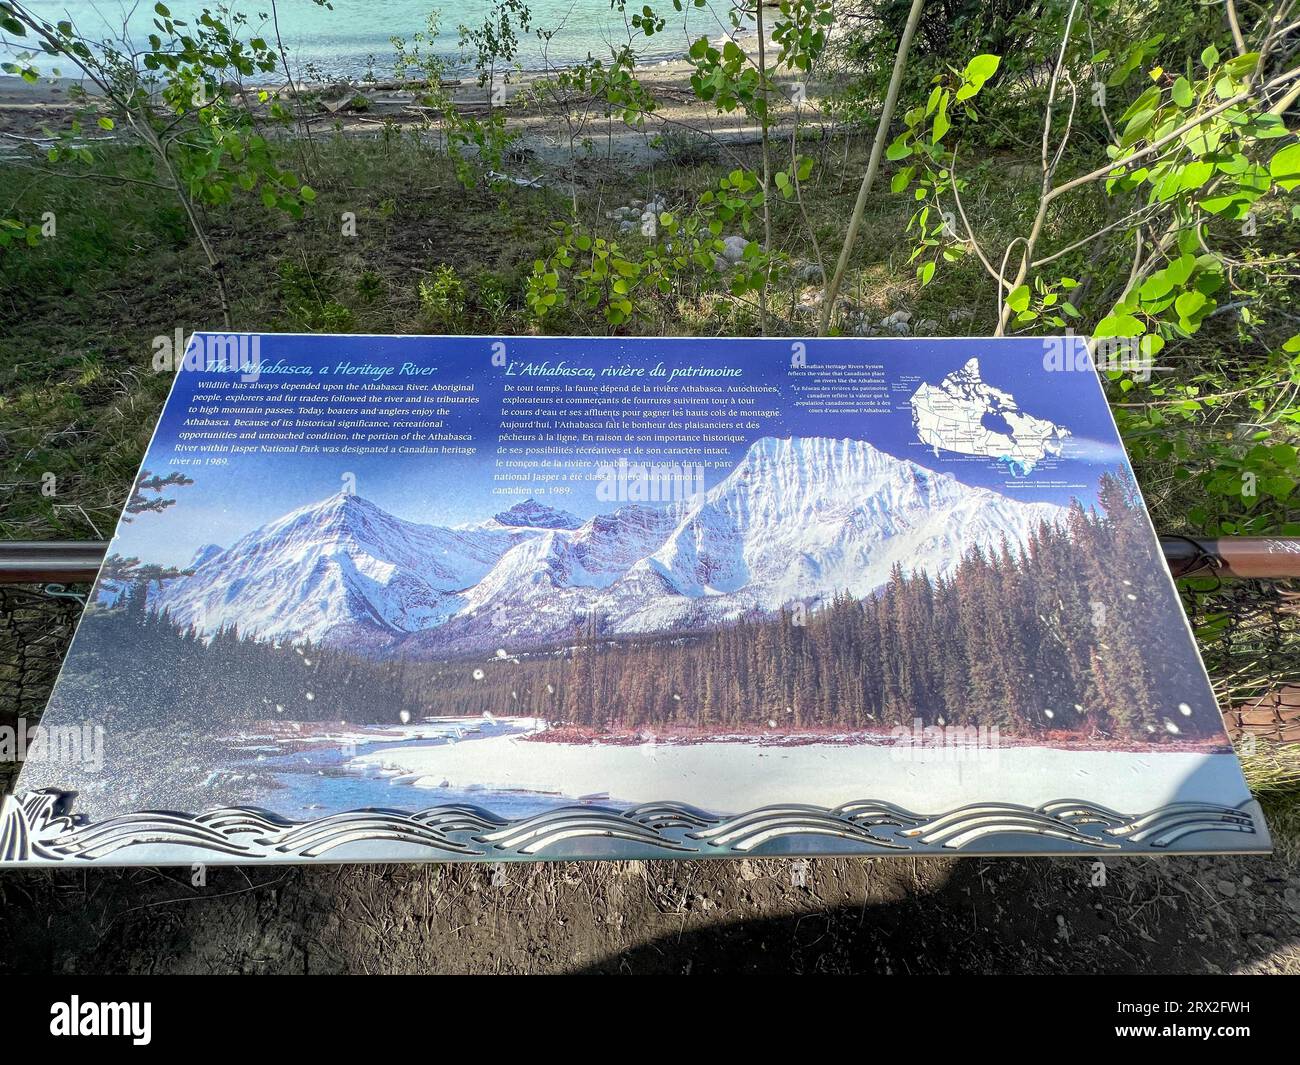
(449, 598)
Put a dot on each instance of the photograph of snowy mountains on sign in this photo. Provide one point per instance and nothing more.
(961, 599)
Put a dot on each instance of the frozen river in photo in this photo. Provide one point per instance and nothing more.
(347, 775)
(494, 765)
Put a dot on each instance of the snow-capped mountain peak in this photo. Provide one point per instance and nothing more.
(535, 515)
(204, 555)
(797, 519)
(332, 568)
(800, 519)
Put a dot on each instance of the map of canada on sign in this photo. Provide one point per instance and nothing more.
(964, 414)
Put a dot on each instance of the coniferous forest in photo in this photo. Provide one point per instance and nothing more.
(1044, 638)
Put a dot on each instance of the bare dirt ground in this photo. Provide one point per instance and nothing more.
(886, 916)
(876, 915)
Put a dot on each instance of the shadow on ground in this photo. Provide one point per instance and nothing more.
(756, 915)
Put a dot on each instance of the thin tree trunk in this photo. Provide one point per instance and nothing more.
(214, 263)
(303, 120)
(873, 164)
(767, 171)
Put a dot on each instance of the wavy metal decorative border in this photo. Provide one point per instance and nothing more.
(38, 827)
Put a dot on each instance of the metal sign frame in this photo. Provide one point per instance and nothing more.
(44, 823)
